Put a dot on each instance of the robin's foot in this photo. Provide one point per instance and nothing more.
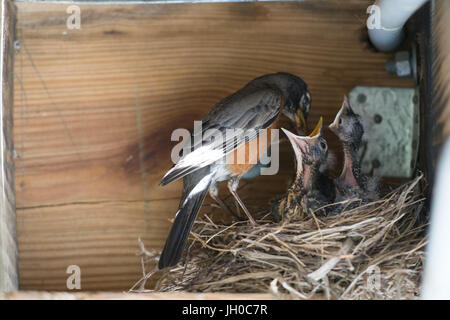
(223, 205)
(236, 196)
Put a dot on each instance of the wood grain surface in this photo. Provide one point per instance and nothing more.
(95, 108)
(8, 246)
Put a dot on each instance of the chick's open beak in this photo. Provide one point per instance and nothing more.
(334, 125)
(298, 143)
(318, 129)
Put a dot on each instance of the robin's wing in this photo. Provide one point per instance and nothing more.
(235, 120)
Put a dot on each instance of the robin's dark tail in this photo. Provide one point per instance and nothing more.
(195, 187)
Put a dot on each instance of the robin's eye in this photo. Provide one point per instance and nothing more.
(323, 145)
(305, 101)
(340, 121)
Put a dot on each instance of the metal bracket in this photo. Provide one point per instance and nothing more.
(390, 117)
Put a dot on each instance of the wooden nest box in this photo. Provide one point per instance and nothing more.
(88, 110)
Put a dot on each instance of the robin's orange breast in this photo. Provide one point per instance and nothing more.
(248, 154)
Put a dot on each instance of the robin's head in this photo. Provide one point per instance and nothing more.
(297, 99)
(347, 126)
(309, 150)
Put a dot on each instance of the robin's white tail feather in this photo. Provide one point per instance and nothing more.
(196, 186)
(193, 161)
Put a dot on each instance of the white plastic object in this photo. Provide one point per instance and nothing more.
(386, 21)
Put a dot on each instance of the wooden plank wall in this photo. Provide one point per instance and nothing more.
(8, 247)
(95, 107)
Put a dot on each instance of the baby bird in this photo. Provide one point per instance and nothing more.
(305, 192)
(352, 183)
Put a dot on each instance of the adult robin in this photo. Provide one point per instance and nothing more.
(241, 118)
(352, 183)
(306, 193)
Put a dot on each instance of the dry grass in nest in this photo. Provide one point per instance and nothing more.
(375, 251)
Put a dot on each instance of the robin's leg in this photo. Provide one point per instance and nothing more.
(214, 193)
(233, 184)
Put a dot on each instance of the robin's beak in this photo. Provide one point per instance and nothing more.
(300, 121)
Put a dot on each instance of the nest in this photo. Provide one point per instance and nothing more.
(373, 251)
